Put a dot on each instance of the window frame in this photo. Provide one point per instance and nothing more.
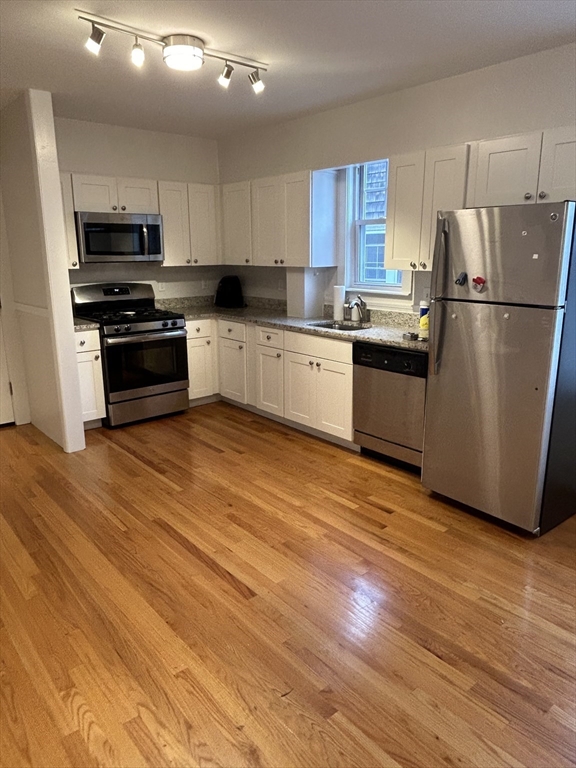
(354, 240)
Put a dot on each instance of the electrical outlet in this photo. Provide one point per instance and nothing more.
(161, 286)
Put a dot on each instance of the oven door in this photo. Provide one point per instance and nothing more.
(119, 237)
(145, 364)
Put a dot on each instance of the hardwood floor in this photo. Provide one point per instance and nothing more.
(216, 589)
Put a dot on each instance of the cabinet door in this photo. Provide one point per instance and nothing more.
(91, 385)
(268, 222)
(334, 398)
(404, 217)
(444, 190)
(174, 209)
(237, 223)
(507, 170)
(200, 368)
(95, 193)
(269, 380)
(202, 211)
(68, 203)
(138, 195)
(557, 180)
(232, 356)
(297, 191)
(299, 388)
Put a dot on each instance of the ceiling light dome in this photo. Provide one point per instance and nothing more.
(183, 52)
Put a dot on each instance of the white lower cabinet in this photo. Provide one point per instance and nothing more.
(318, 390)
(202, 358)
(232, 360)
(269, 380)
(91, 385)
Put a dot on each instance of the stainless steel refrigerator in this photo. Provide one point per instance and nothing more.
(500, 424)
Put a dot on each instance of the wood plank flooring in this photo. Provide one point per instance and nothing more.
(216, 589)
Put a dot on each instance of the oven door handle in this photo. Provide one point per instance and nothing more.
(139, 337)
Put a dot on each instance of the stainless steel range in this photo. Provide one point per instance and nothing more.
(143, 350)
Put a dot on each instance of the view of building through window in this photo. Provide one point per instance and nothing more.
(371, 224)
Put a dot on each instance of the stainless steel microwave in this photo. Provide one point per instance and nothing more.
(110, 237)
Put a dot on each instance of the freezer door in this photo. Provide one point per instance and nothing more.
(521, 251)
(488, 406)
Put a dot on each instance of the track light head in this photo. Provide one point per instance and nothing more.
(226, 75)
(255, 81)
(183, 52)
(137, 54)
(95, 40)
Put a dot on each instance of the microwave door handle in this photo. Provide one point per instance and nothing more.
(145, 238)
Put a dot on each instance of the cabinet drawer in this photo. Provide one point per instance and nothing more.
(317, 346)
(270, 337)
(87, 341)
(231, 330)
(197, 329)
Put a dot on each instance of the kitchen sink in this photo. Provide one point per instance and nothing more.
(341, 325)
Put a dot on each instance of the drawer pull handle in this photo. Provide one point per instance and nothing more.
(528, 196)
(413, 264)
(187, 261)
(114, 207)
(74, 263)
(123, 207)
(195, 261)
(240, 346)
(423, 264)
(197, 330)
(208, 342)
(229, 330)
(82, 343)
(310, 362)
(247, 261)
(281, 261)
(542, 195)
(278, 354)
(96, 357)
(317, 365)
(268, 337)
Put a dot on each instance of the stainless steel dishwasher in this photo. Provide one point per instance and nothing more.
(389, 394)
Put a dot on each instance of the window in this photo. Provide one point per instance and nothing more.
(368, 185)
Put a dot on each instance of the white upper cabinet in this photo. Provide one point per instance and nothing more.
(138, 196)
(404, 215)
(444, 190)
(237, 223)
(268, 201)
(294, 220)
(557, 180)
(108, 194)
(202, 208)
(507, 170)
(68, 203)
(95, 193)
(173, 197)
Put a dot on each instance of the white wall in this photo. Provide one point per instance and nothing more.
(110, 150)
(36, 238)
(530, 93)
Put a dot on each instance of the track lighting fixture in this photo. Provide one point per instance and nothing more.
(95, 40)
(226, 75)
(137, 54)
(257, 84)
(181, 52)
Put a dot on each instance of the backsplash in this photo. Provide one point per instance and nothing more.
(384, 317)
(199, 302)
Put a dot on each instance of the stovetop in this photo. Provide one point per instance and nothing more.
(133, 320)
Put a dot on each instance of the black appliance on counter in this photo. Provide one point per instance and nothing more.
(145, 362)
(229, 293)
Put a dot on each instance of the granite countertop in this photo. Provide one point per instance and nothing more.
(389, 335)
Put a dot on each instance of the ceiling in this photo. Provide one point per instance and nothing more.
(322, 54)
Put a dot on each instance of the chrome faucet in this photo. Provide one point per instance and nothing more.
(362, 308)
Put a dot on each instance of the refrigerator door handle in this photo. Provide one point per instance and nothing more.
(439, 255)
(435, 333)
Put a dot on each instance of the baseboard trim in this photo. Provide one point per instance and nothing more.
(204, 400)
(295, 425)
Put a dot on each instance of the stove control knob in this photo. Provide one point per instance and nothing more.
(117, 329)
(174, 322)
(407, 365)
(164, 323)
(127, 327)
